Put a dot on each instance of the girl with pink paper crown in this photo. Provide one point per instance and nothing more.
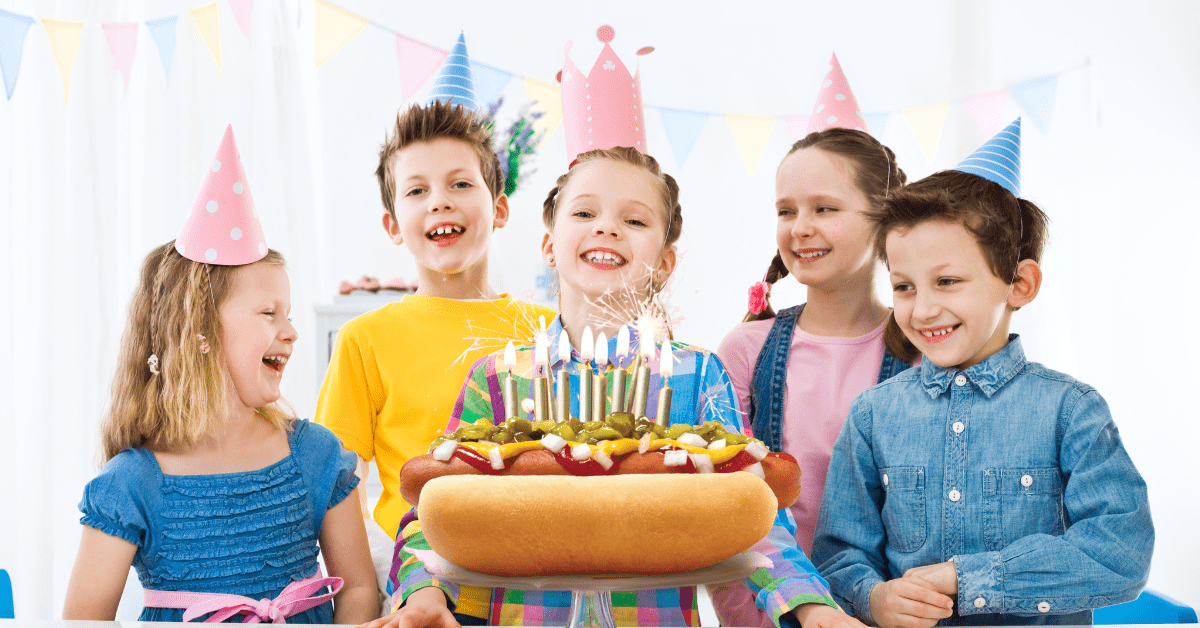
(612, 220)
(211, 491)
(796, 372)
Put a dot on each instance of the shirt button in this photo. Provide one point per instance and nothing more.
(1026, 481)
(955, 496)
(885, 479)
(980, 602)
(960, 379)
(959, 427)
(1043, 607)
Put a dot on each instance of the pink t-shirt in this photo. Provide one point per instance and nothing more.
(824, 375)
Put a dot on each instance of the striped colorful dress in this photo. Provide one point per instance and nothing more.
(702, 392)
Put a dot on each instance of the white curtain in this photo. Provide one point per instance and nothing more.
(87, 188)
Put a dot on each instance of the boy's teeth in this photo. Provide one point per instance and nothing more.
(940, 332)
(443, 230)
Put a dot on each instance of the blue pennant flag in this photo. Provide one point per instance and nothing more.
(683, 127)
(1037, 96)
(489, 81)
(877, 122)
(163, 32)
(454, 83)
(999, 159)
(13, 28)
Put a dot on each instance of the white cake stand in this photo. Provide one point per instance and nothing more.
(591, 596)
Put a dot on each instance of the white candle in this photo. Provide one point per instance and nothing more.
(600, 389)
(585, 376)
(510, 384)
(665, 366)
(620, 376)
(562, 392)
(641, 392)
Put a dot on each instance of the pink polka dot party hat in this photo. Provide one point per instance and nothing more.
(223, 227)
(836, 106)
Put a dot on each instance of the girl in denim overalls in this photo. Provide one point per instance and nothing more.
(796, 372)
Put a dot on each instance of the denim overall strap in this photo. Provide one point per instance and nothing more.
(892, 366)
(769, 381)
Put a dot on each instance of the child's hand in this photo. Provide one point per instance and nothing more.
(909, 602)
(425, 608)
(822, 616)
(943, 576)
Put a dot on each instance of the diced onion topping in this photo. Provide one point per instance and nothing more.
(554, 442)
(757, 449)
(445, 451)
(702, 462)
(756, 469)
(644, 444)
(675, 458)
(695, 440)
(581, 452)
(495, 458)
(603, 459)
(717, 444)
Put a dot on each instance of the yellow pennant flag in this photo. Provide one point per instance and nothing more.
(333, 28)
(64, 43)
(751, 134)
(548, 97)
(208, 22)
(927, 124)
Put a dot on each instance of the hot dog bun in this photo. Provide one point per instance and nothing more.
(780, 470)
(558, 525)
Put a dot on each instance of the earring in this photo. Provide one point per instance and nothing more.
(551, 260)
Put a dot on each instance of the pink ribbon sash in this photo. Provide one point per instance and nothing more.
(295, 598)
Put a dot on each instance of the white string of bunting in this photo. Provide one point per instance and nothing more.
(334, 27)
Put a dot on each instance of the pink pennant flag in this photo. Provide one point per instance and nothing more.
(241, 13)
(122, 41)
(797, 126)
(987, 111)
(418, 62)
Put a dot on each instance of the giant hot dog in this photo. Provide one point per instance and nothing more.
(556, 525)
(619, 445)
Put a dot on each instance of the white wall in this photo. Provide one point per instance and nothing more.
(1114, 173)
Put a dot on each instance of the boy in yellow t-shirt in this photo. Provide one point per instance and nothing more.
(396, 372)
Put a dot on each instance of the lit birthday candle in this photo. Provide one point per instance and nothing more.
(600, 392)
(510, 384)
(620, 376)
(665, 366)
(541, 384)
(585, 377)
(641, 387)
(562, 391)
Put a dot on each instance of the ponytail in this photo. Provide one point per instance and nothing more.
(760, 292)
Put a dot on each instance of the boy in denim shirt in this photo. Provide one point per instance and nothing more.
(978, 488)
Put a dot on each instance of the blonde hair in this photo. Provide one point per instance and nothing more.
(173, 315)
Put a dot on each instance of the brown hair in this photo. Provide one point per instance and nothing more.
(436, 120)
(1008, 229)
(876, 174)
(624, 154)
(176, 301)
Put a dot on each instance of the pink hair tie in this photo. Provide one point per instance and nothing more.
(759, 292)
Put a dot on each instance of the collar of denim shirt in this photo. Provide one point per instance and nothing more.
(989, 376)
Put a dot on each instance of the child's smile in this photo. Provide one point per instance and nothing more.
(603, 259)
(445, 233)
(256, 335)
(948, 302)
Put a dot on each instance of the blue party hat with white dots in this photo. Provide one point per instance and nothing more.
(999, 159)
(454, 84)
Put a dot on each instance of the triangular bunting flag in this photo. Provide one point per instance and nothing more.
(418, 61)
(547, 98)
(489, 81)
(751, 134)
(242, 9)
(163, 32)
(13, 28)
(797, 126)
(333, 27)
(927, 124)
(683, 128)
(208, 21)
(64, 43)
(877, 122)
(122, 41)
(986, 110)
(1037, 96)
